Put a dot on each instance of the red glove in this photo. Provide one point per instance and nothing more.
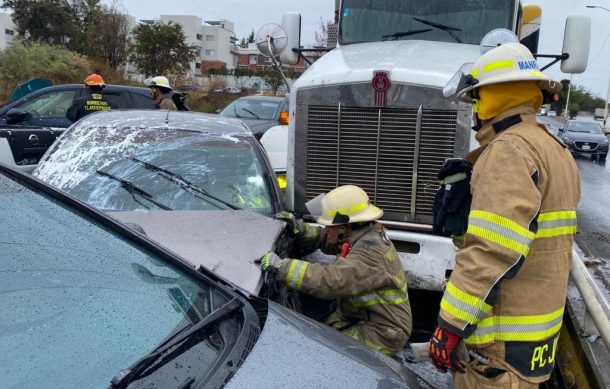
(443, 351)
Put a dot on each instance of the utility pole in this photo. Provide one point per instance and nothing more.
(565, 113)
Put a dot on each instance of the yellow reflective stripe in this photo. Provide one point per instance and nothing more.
(343, 211)
(538, 74)
(500, 230)
(552, 224)
(517, 328)
(498, 65)
(474, 73)
(464, 306)
(296, 272)
(356, 333)
(386, 296)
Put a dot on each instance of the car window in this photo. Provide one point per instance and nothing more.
(95, 164)
(116, 99)
(252, 109)
(141, 101)
(79, 302)
(592, 128)
(53, 104)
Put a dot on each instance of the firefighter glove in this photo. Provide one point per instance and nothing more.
(443, 351)
(452, 202)
(294, 227)
(271, 261)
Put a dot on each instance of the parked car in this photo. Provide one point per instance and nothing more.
(275, 142)
(88, 302)
(29, 125)
(585, 138)
(259, 112)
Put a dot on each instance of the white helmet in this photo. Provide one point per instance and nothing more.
(506, 63)
(159, 82)
(343, 205)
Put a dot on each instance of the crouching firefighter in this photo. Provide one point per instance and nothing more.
(505, 299)
(367, 277)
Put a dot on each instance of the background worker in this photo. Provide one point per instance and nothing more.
(367, 277)
(93, 101)
(505, 299)
(161, 93)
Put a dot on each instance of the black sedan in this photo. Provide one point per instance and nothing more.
(260, 113)
(585, 138)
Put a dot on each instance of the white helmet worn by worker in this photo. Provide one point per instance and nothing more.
(343, 205)
(509, 62)
(159, 82)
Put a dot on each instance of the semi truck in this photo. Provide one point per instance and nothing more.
(371, 112)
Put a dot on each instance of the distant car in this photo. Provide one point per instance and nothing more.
(598, 114)
(229, 89)
(552, 113)
(88, 302)
(29, 125)
(259, 112)
(585, 138)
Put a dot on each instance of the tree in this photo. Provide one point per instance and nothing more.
(251, 37)
(243, 42)
(321, 34)
(49, 21)
(273, 79)
(87, 16)
(112, 38)
(159, 49)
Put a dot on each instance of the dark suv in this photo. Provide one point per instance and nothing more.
(583, 137)
(29, 125)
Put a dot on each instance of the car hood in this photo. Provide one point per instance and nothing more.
(585, 137)
(296, 352)
(259, 126)
(224, 242)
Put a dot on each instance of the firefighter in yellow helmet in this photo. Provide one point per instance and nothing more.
(161, 93)
(93, 101)
(366, 278)
(505, 299)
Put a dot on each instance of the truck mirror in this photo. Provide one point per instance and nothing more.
(576, 41)
(291, 22)
(16, 115)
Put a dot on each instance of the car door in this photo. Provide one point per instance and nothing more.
(49, 109)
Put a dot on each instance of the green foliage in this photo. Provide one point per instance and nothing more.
(159, 49)
(573, 110)
(251, 37)
(49, 21)
(273, 78)
(25, 60)
(580, 98)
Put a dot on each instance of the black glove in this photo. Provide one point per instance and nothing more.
(452, 201)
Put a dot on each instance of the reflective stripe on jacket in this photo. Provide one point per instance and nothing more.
(507, 293)
(370, 284)
(90, 103)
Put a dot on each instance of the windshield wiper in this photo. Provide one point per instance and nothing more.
(134, 190)
(236, 114)
(397, 35)
(184, 183)
(126, 376)
(449, 29)
(250, 112)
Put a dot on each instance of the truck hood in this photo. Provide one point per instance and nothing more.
(225, 242)
(412, 62)
(296, 352)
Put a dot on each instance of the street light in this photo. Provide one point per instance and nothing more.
(608, 94)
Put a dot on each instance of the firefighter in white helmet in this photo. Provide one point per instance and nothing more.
(505, 299)
(161, 92)
(366, 278)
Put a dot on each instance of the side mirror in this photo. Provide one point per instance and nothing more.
(561, 130)
(291, 22)
(219, 110)
(16, 115)
(576, 42)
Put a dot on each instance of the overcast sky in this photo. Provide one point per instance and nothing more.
(248, 15)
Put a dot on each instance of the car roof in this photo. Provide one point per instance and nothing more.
(263, 98)
(183, 120)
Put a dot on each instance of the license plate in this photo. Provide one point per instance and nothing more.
(586, 147)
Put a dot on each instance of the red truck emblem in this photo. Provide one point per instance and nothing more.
(381, 84)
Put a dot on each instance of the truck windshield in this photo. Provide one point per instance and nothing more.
(462, 21)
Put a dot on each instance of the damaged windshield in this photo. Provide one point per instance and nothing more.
(153, 169)
(464, 21)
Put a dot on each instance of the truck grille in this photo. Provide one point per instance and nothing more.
(375, 149)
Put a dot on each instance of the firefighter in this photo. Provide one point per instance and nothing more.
(161, 93)
(505, 298)
(367, 277)
(93, 101)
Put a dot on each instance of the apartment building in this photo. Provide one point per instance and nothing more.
(214, 39)
(251, 58)
(7, 30)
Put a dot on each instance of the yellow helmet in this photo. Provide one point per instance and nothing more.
(508, 62)
(159, 82)
(343, 205)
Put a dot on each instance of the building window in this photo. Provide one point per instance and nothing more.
(9, 32)
(199, 37)
(197, 65)
(210, 38)
(253, 59)
(210, 53)
(268, 60)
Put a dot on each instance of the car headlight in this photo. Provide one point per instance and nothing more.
(568, 141)
(604, 142)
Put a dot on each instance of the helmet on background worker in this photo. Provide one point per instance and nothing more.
(343, 205)
(161, 90)
(94, 82)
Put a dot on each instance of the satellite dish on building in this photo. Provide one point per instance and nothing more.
(496, 38)
(271, 40)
